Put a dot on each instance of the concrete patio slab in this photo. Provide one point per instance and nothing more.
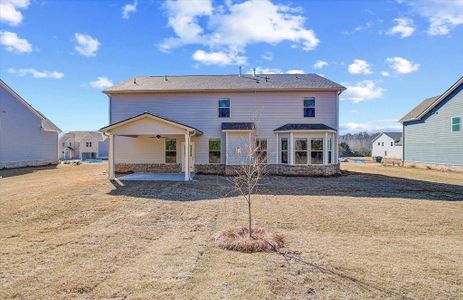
(140, 176)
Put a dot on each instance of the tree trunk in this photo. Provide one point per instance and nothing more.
(249, 215)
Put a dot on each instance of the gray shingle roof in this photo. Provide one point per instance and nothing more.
(224, 82)
(288, 127)
(414, 113)
(238, 126)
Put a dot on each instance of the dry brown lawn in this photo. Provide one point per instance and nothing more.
(375, 232)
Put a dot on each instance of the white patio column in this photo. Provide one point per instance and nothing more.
(291, 149)
(187, 156)
(111, 168)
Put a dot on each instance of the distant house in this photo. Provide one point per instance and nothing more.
(83, 145)
(433, 130)
(387, 145)
(27, 137)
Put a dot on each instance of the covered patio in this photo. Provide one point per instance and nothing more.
(144, 140)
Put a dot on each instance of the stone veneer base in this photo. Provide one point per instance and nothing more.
(219, 169)
(27, 163)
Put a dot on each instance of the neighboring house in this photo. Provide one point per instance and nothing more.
(387, 145)
(27, 137)
(293, 118)
(433, 131)
(83, 145)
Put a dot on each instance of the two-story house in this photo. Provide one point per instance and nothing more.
(27, 137)
(433, 130)
(387, 145)
(293, 118)
(83, 145)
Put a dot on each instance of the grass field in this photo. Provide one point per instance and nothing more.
(373, 232)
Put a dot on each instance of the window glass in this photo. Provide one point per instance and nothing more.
(300, 153)
(330, 150)
(456, 124)
(171, 151)
(309, 107)
(261, 145)
(214, 151)
(316, 151)
(392, 143)
(224, 108)
(284, 151)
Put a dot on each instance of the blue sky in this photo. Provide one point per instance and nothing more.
(59, 55)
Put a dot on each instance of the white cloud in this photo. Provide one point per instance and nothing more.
(267, 56)
(364, 90)
(128, 9)
(443, 15)
(10, 11)
(262, 70)
(404, 27)
(402, 65)
(218, 58)
(385, 73)
(359, 67)
(86, 45)
(35, 73)
(320, 64)
(101, 83)
(232, 27)
(295, 71)
(13, 43)
(375, 126)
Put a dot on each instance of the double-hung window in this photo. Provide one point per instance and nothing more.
(224, 108)
(309, 107)
(284, 150)
(456, 124)
(171, 151)
(330, 150)
(316, 151)
(214, 151)
(300, 151)
(261, 150)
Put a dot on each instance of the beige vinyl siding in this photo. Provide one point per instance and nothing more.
(21, 136)
(269, 110)
(143, 150)
(433, 141)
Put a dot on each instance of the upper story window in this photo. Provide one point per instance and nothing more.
(309, 107)
(88, 144)
(224, 108)
(382, 144)
(63, 144)
(392, 144)
(456, 124)
(379, 144)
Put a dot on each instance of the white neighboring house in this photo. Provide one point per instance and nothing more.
(388, 145)
(27, 137)
(83, 145)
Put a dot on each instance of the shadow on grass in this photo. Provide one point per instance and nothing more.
(359, 185)
(22, 171)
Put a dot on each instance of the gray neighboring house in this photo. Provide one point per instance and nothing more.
(27, 137)
(433, 130)
(293, 119)
(83, 145)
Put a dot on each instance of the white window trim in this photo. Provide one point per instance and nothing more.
(208, 150)
(304, 107)
(165, 151)
(229, 107)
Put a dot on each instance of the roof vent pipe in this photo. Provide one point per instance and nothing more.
(253, 72)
